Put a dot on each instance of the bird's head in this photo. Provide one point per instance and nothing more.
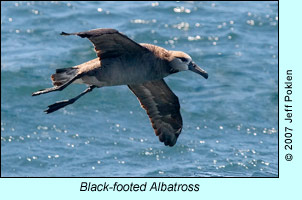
(181, 61)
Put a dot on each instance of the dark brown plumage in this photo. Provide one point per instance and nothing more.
(142, 67)
(162, 107)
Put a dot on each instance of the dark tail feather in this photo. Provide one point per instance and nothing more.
(63, 75)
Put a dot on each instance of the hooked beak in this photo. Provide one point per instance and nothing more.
(194, 68)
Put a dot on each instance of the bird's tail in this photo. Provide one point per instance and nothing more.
(63, 75)
(61, 79)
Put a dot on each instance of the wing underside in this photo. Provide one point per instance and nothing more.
(162, 107)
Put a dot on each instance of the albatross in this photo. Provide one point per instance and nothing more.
(141, 66)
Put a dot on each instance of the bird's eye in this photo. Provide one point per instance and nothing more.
(183, 59)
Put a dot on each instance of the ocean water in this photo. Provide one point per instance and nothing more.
(230, 120)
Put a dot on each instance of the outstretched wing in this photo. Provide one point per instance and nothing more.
(162, 107)
(110, 43)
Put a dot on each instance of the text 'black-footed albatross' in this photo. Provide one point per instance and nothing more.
(142, 67)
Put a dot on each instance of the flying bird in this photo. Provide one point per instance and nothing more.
(122, 61)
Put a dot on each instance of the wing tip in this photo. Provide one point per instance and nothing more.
(92, 32)
(66, 34)
(63, 33)
(169, 139)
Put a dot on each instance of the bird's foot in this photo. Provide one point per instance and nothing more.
(58, 105)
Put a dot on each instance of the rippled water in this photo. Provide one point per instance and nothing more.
(230, 120)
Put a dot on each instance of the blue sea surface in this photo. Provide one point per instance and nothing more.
(230, 120)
